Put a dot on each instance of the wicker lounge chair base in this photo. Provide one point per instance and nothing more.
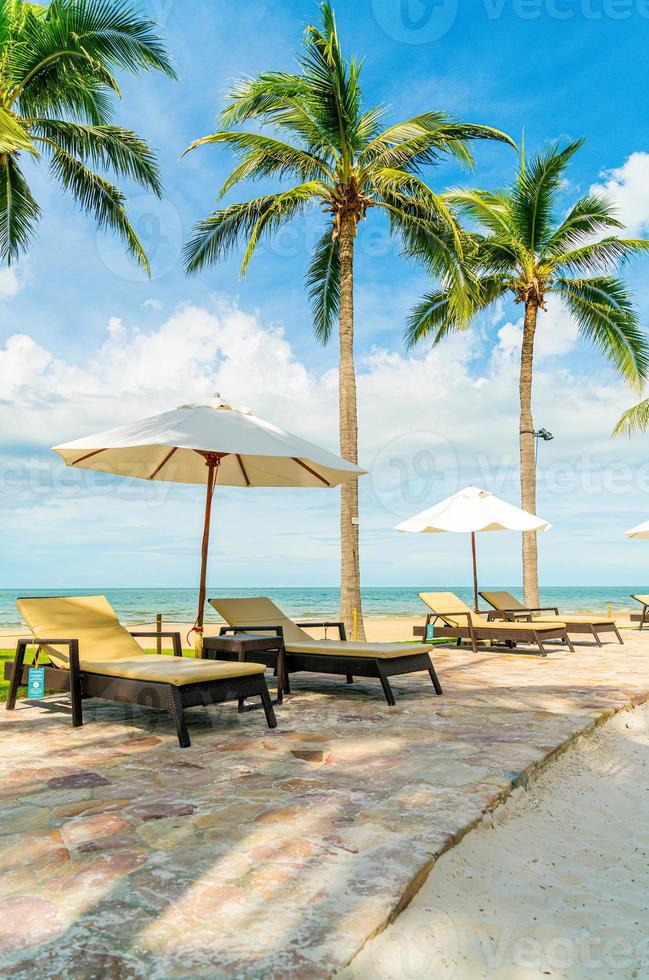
(476, 635)
(165, 697)
(508, 608)
(341, 657)
(351, 667)
(452, 619)
(642, 617)
(99, 658)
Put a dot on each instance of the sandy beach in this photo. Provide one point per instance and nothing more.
(381, 630)
(396, 629)
(553, 883)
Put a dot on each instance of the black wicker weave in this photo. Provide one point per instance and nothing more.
(166, 697)
(347, 666)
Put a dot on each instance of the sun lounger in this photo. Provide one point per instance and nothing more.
(641, 617)
(93, 656)
(452, 618)
(341, 656)
(513, 610)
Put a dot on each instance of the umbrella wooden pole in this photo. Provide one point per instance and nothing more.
(475, 573)
(212, 461)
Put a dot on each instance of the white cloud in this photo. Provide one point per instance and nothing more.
(152, 304)
(627, 187)
(12, 280)
(196, 351)
(556, 335)
(429, 421)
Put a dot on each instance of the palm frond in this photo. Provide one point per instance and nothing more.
(280, 100)
(451, 309)
(334, 94)
(262, 97)
(281, 209)
(98, 197)
(533, 196)
(19, 212)
(603, 309)
(590, 216)
(216, 236)
(635, 420)
(424, 139)
(264, 156)
(108, 147)
(369, 123)
(600, 256)
(323, 286)
(430, 319)
(393, 185)
(488, 208)
(499, 255)
(108, 34)
(14, 135)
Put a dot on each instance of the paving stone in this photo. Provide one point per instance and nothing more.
(77, 780)
(268, 854)
(158, 809)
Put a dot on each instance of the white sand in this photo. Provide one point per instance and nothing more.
(555, 884)
(381, 630)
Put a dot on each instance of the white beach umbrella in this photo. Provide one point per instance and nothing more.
(217, 444)
(640, 531)
(468, 511)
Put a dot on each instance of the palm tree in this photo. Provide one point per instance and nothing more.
(524, 250)
(57, 68)
(343, 162)
(635, 420)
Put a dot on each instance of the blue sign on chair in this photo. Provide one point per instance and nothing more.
(430, 632)
(36, 682)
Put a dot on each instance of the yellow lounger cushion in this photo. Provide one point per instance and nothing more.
(262, 611)
(89, 619)
(505, 600)
(502, 600)
(567, 619)
(178, 671)
(106, 647)
(540, 626)
(447, 603)
(258, 611)
(644, 599)
(347, 648)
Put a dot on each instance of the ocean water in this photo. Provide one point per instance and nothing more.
(179, 605)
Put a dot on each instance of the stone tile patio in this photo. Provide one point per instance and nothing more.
(260, 853)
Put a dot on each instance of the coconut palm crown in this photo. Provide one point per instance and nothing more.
(330, 152)
(57, 86)
(523, 248)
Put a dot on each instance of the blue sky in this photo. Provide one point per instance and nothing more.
(86, 342)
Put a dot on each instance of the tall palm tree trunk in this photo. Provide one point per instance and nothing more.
(527, 455)
(350, 575)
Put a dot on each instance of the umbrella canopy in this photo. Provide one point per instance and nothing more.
(640, 531)
(217, 444)
(471, 510)
(173, 447)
